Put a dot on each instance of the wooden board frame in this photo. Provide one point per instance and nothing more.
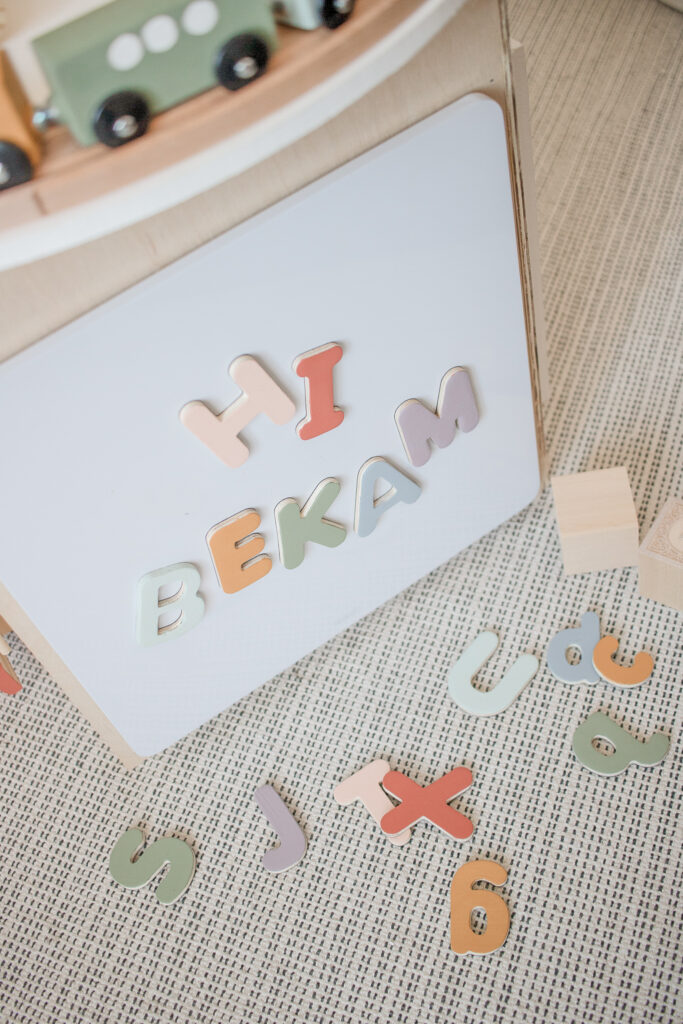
(472, 53)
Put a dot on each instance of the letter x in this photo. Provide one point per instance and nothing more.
(430, 802)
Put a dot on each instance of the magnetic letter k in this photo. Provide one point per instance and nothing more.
(429, 802)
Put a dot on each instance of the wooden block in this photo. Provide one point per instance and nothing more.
(596, 520)
(660, 560)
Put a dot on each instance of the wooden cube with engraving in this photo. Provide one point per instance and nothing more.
(660, 560)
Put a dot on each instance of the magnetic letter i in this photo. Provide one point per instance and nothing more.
(316, 366)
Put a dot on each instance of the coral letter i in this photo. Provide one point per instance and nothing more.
(316, 367)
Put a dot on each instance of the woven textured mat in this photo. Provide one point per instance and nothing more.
(358, 932)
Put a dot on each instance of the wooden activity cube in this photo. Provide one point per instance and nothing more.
(660, 560)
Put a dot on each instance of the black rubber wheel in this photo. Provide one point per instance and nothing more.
(242, 59)
(122, 117)
(15, 166)
(335, 12)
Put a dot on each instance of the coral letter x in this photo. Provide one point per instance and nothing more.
(429, 802)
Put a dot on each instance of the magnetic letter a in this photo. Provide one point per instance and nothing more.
(260, 394)
(418, 425)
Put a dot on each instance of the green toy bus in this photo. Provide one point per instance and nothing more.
(112, 69)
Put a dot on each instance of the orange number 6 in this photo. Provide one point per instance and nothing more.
(464, 899)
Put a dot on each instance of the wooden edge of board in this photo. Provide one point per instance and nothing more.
(13, 613)
(524, 193)
(520, 93)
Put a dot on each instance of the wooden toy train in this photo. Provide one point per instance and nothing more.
(110, 70)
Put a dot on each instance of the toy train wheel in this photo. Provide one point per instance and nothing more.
(15, 166)
(242, 59)
(335, 12)
(122, 117)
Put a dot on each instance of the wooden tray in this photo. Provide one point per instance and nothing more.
(311, 77)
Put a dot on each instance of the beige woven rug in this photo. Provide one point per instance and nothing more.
(358, 932)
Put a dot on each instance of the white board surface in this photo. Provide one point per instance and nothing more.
(407, 256)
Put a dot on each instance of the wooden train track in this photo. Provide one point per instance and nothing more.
(72, 178)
